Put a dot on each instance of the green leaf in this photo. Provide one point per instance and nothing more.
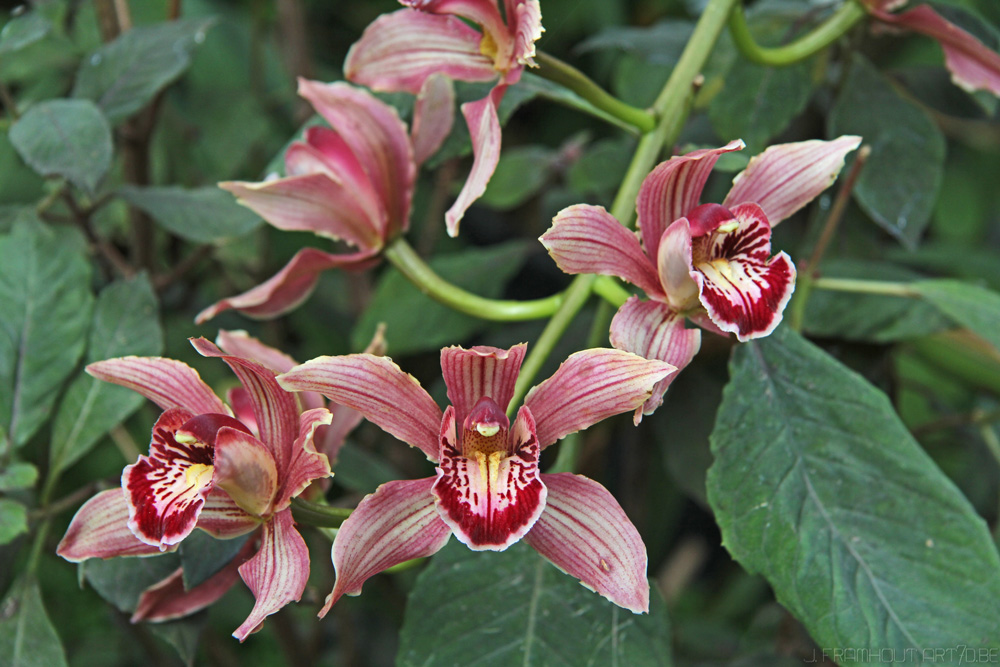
(124, 75)
(818, 486)
(45, 300)
(201, 215)
(359, 469)
(899, 184)
(23, 30)
(520, 174)
(27, 638)
(69, 138)
(487, 608)
(121, 581)
(18, 476)
(970, 306)
(203, 555)
(414, 322)
(125, 322)
(13, 520)
(183, 635)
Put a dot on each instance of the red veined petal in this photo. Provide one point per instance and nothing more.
(480, 371)
(99, 529)
(307, 464)
(167, 382)
(223, 519)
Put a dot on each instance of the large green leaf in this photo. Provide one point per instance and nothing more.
(45, 299)
(125, 322)
(199, 214)
(124, 75)
(69, 138)
(486, 608)
(203, 555)
(900, 181)
(13, 520)
(121, 581)
(23, 30)
(970, 306)
(818, 486)
(27, 638)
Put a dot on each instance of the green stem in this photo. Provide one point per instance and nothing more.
(866, 287)
(809, 44)
(314, 514)
(570, 77)
(797, 308)
(404, 258)
(611, 291)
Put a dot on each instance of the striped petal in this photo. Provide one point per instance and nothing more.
(395, 524)
(526, 25)
(586, 534)
(786, 177)
(742, 288)
(587, 239)
(242, 344)
(223, 519)
(99, 529)
(245, 469)
(433, 116)
(589, 386)
(673, 263)
(654, 331)
(484, 13)
(490, 497)
(478, 372)
(168, 383)
(378, 389)
(307, 464)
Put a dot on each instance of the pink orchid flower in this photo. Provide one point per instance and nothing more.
(972, 65)
(352, 183)
(488, 490)
(711, 262)
(400, 50)
(208, 469)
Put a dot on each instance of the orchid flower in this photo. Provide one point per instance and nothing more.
(399, 51)
(972, 65)
(352, 183)
(488, 491)
(711, 262)
(227, 475)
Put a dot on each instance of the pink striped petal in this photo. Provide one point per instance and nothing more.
(99, 529)
(743, 290)
(395, 524)
(587, 239)
(586, 534)
(672, 189)
(289, 287)
(239, 402)
(278, 573)
(484, 13)
(168, 383)
(589, 386)
(245, 469)
(398, 51)
(241, 344)
(433, 116)
(654, 331)
(378, 389)
(674, 266)
(488, 489)
(786, 177)
(223, 519)
(480, 371)
(307, 464)
(484, 130)
(378, 139)
(526, 25)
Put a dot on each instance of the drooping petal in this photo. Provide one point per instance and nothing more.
(585, 533)
(378, 389)
(672, 189)
(589, 386)
(242, 344)
(398, 51)
(674, 266)
(245, 469)
(743, 290)
(287, 288)
(395, 524)
(307, 464)
(433, 116)
(99, 529)
(484, 130)
(223, 519)
(525, 20)
(587, 239)
(490, 499)
(167, 382)
(278, 573)
(786, 177)
(654, 331)
(480, 371)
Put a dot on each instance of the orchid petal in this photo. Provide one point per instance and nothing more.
(288, 288)
(654, 331)
(223, 519)
(588, 239)
(490, 499)
(398, 51)
(377, 388)
(786, 177)
(99, 529)
(589, 386)
(586, 534)
(395, 524)
(743, 291)
(307, 464)
(525, 20)
(480, 371)
(433, 116)
(481, 12)
(484, 130)
(674, 266)
(672, 189)
(242, 407)
(278, 573)
(245, 469)
(168, 383)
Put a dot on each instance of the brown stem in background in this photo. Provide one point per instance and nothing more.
(173, 10)
(107, 250)
(837, 211)
(163, 281)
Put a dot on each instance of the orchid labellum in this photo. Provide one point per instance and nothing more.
(488, 490)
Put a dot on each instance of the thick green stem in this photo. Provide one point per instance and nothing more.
(404, 258)
(323, 516)
(611, 291)
(570, 77)
(778, 56)
(866, 287)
